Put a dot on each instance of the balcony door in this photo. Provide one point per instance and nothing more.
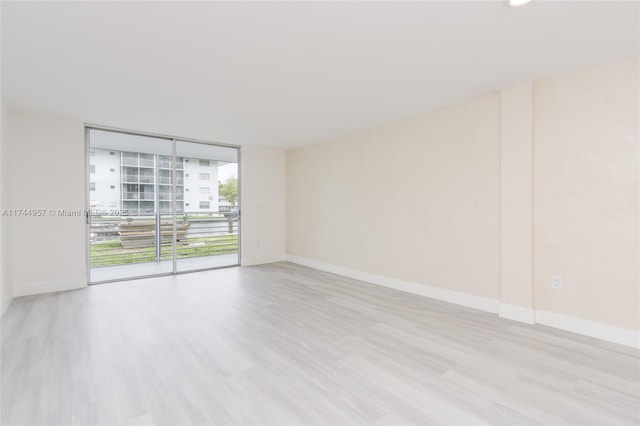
(159, 205)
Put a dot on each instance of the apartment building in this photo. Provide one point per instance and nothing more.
(142, 183)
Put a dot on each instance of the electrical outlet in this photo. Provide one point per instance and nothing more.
(556, 282)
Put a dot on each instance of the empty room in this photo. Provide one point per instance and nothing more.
(320, 213)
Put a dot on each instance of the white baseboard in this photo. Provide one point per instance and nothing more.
(28, 289)
(459, 298)
(254, 261)
(517, 313)
(595, 329)
(589, 328)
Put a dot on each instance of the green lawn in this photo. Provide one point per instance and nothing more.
(108, 253)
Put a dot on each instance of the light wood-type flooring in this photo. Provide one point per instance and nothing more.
(282, 344)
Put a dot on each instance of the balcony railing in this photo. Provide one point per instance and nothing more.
(130, 239)
(138, 196)
(164, 196)
(167, 181)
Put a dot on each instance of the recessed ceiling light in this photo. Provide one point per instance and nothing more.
(517, 3)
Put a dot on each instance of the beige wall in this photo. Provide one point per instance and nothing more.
(586, 211)
(516, 189)
(46, 171)
(417, 200)
(490, 198)
(262, 205)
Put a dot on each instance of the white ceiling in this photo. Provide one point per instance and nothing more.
(290, 73)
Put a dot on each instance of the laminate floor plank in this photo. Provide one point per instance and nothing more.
(282, 344)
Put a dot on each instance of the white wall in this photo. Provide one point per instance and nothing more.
(47, 171)
(6, 290)
(262, 205)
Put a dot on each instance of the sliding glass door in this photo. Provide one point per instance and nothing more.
(209, 215)
(159, 206)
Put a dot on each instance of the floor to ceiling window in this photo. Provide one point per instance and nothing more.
(159, 205)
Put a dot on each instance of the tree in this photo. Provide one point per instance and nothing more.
(229, 190)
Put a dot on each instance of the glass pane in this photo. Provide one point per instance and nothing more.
(131, 189)
(208, 196)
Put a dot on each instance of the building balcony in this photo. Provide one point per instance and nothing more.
(134, 196)
(167, 181)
